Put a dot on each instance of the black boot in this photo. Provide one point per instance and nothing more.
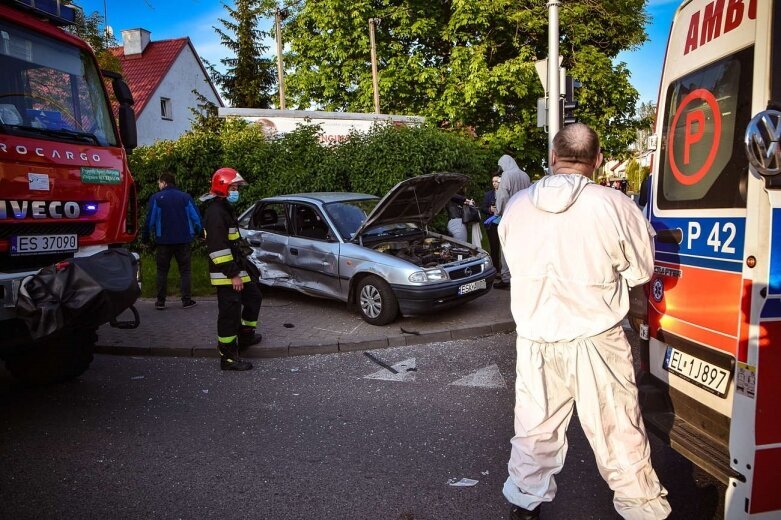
(519, 513)
(229, 357)
(247, 338)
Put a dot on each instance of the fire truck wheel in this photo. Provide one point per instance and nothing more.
(54, 360)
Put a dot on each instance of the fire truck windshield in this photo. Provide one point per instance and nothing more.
(51, 89)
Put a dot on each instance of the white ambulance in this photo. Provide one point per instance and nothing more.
(712, 362)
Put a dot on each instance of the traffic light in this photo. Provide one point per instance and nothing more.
(569, 104)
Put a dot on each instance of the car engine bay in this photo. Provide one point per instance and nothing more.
(426, 252)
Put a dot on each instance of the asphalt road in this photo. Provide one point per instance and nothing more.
(297, 438)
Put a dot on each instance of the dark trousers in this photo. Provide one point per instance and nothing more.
(496, 246)
(235, 306)
(164, 253)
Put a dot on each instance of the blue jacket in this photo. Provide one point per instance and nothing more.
(173, 216)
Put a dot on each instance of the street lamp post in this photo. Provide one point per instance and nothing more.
(554, 87)
(280, 68)
(373, 22)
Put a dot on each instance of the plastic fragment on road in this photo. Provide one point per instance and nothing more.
(464, 482)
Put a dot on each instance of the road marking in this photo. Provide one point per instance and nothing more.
(488, 377)
(406, 372)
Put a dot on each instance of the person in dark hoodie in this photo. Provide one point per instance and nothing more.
(172, 215)
(573, 248)
(238, 295)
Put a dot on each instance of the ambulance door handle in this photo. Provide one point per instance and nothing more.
(670, 236)
(293, 251)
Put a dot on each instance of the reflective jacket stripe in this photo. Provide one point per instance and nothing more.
(221, 256)
(221, 279)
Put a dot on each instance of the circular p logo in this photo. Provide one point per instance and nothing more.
(695, 123)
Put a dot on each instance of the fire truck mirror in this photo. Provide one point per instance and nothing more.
(127, 127)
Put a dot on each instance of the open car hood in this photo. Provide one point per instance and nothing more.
(416, 200)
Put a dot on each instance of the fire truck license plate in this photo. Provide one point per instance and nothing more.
(40, 244)
(703, 374)
(472, 286)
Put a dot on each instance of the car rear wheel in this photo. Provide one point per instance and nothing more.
(376, 301)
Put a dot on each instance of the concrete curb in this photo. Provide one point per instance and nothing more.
(310, 348)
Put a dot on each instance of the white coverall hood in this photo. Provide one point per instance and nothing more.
(556, 193)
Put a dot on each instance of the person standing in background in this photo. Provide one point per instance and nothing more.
(489, 210)
(175, 221)
(513, 180)
(455, 215)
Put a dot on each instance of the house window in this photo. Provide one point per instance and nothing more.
(166, 111)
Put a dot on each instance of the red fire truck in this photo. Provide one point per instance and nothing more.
(65, 189)
(712, 356)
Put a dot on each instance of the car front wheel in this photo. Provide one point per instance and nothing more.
(376, 301)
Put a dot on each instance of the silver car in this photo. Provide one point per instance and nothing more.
(378, 255)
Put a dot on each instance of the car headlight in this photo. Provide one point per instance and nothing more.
(431, 275)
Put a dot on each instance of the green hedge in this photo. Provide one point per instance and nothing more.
(370, 162)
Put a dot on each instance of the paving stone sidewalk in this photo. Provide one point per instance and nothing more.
(295, 324)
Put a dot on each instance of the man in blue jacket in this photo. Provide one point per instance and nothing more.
(173, 218)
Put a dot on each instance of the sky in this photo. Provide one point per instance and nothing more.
(196, 18)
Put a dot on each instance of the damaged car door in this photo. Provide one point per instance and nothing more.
(313, 252)
(266, 229)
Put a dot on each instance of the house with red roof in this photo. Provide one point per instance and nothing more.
(162, 76)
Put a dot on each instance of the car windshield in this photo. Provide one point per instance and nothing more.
(348, 215)
(51, 89)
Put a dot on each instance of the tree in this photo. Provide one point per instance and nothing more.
(646, 121)
(467, 63)
(249, 78)
(92, 30)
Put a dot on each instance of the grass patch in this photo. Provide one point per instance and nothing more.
(200, 274)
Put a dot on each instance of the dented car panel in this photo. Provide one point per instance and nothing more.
(322, 244)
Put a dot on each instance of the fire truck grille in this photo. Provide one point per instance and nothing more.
(63, 228)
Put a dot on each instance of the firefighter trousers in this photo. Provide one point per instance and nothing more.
(237, 308)
(597, 375)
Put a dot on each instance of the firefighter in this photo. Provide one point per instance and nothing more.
(231, 272)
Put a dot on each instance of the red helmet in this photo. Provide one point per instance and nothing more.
(223, 179)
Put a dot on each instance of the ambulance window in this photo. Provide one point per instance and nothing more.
(706, 113)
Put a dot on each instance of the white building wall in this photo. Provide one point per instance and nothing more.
(184, 76)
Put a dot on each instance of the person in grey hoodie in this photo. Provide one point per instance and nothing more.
(574, 248)
(513, 180)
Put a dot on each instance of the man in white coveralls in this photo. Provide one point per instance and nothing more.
(573, 249)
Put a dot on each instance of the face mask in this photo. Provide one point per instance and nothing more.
(233, 197)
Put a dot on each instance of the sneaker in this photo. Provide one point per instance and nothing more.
(519, 513)
(160, 305)
(501, 284)
(188, 304)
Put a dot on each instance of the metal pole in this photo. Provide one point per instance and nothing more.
(375, 83)
(280, 67)
(554, 86)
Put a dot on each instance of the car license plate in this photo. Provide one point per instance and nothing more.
(41, 244)
(703, 374)
(471, 286)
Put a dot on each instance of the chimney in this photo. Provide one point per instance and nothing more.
(135, 41)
